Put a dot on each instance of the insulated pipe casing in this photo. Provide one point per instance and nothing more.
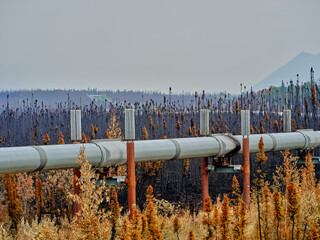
(301, 139)
(19, 159)
(63, 156)
(112, 152)
(312, 139)
(105, 153)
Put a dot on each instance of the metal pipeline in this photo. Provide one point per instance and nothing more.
(101, 153)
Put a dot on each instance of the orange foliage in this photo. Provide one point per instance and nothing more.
(14, 204)
(61, 140)
(176, 226)
(189, 131)
(207, 205)
(46, 139)
(25, 191)
(194, 132)
(224, 218)
(208, 220)
(39, 197)
(164, 123)
(293, 206)
(115, 213)
(314, 232)
(186, 165)
(277, 210)
(150, 120)
(191, 236)
(151, 215)
(261, 157)
(83, 138)
(145, 134)
(92, 132)
(276, 125)
(236, 194)
(178, 125)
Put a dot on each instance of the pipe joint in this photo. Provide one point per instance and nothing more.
(43, 158)
(228, 145)
(112, 150)
(178, 149)
(274, 142)
(312, 138)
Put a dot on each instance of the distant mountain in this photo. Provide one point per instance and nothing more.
(301, 65)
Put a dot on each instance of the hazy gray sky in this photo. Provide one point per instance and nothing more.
(151, 45)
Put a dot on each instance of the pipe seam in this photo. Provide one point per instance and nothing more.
(236, 142)
(274, 142)
(43, 158)
(306, 139)
(103, 155)
(220, 143)
(178, 149)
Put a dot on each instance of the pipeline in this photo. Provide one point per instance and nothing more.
(102, 153)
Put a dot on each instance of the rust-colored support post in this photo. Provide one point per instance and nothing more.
(205, 178)
(246, 172)
(76, 189)
(131, 176)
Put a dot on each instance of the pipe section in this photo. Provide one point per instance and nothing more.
(103, 153)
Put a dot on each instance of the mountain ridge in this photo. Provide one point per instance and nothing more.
(301, 64)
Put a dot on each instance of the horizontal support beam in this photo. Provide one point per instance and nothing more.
(112, 181)
(225, 169)
(102, 153)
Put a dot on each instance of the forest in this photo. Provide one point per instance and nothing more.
(285, 200)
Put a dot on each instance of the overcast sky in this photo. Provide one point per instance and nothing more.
(151, 45)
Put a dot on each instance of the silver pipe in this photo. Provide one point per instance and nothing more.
(101, 153)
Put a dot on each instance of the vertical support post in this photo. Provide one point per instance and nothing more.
(246, 172)
(75, 120)
(129, 124)
(245, 132)
(204, 178)
(287, 120)
(204, 122)
(204, 131)
(131, 177)
(131, 170)
(76, 189)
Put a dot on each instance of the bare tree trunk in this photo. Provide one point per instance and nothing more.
(304, 230)
(259, 217)
(292, 228)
